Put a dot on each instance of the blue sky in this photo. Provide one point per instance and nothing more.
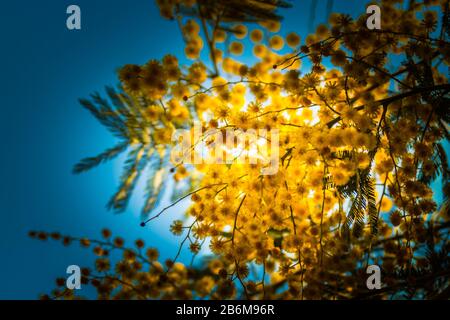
(46, 68)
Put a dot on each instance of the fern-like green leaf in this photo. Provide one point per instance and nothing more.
(91, 162)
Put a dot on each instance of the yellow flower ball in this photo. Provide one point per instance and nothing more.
(386, 204)
(240, 31)
(191, 28)
(236, 48)
(220, 35)
(271, 25)
(276, 42)
(256, 35)
(293, 40)
(259, 50)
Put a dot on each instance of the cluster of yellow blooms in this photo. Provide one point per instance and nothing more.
(359, 145)
(138, 274)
